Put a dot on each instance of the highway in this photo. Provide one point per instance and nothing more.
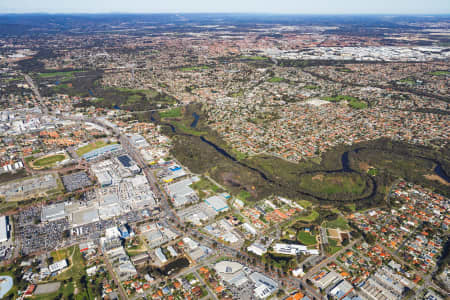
(36, 93)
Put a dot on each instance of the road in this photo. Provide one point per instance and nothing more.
(122, 293)
(210, 293)
(36, 93)
(316, 268)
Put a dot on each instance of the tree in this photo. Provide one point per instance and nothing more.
(370, 238)
(66, 234)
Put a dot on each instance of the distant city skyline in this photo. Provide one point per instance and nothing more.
(230, 6)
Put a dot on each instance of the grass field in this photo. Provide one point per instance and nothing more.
(135, 250)
(304, 203)
(48, 160)
(148, 93)
(440, 73)
(72, 275)
(333, 184)
(397, 164)
(332, 247)
(310, 87)
(309, 218)
(77, 265)
(204, 184)
(345, 70)
(352, 101)
(172, 113)
(239, 155)
(240, 93)
(306, 238)
(372, 172)
(60, 254)
(92, 146)
(254, 57)
(313, 215)
(409, 81)
(340, 223)
(195, 68)
(68, 74)
(276, 79)
(243, 195)
(187, 129)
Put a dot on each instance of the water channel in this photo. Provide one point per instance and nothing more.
(438, 170)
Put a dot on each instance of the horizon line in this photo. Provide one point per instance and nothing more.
(241, 13)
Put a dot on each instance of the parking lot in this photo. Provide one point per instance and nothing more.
(76, 181)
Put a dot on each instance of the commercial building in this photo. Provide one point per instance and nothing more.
(342, 289)
(294, 249)
(257, 248)
(217, 203)
(4, 228)
(249, 228)
(104, 179)
(101, 151)
(85, 216)
(327, 279)
(121, 263)
(138, 141)
(264, 285)
(159, 253)
(195, 250)
(182, 193)
(231, 272)
(53, 212)
(58, 266)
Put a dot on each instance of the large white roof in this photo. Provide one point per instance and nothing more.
(228, 267)
(3, 229)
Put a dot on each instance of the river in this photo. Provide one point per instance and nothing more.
(344, 160)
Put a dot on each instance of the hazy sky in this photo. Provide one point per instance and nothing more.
(264, 6)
